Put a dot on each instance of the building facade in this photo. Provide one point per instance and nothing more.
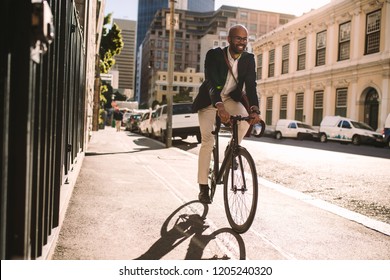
(257, 22)
(125, 61)
(187, 81)
(148, 8)
(201, 5)
(190, 48)
(146, 13)
(331, 61)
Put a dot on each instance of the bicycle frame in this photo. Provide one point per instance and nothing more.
(233, 145)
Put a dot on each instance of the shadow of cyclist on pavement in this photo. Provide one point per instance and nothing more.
(183, 224)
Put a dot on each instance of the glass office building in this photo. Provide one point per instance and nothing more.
(148, 8)
(146, 11)
(201, 5)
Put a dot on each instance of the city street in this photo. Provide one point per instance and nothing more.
(135, 199)
(353, 177)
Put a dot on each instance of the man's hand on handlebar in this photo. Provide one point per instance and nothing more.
(255, 118)
(222, 113)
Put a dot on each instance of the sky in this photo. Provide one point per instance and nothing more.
(127, 9)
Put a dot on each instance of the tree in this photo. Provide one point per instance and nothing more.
(183, 95)
(111, 44)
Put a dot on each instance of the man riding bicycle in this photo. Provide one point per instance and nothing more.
(228, 73)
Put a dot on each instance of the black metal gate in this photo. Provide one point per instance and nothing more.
(42, 115)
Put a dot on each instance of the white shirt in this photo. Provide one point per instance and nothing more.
(231, 84)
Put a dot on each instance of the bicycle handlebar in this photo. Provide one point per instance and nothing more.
(241, 118)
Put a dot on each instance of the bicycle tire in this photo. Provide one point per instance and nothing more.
(213, 173)
(240, 202)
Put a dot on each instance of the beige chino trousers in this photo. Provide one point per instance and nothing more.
(207, 122)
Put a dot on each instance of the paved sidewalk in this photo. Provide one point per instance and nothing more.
(121, 169)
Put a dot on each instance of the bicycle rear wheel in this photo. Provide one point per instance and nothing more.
(241, 191)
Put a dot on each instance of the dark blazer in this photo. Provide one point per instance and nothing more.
(216, 71)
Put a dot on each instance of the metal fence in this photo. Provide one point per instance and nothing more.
(42, 116)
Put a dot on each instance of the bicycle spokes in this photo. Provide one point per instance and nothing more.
(241, 192)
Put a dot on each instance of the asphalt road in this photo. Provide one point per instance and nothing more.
(354, 177)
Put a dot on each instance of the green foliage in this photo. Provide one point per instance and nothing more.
(109, 94)
(111, 44)
(183, 95)
(101, 116)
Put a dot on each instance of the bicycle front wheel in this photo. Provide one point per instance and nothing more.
(213, 169)
(241, 191)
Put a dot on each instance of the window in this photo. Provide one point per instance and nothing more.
(215, 43)
(259, 66)
(318, 107)
(344, 124)
(301, 54)
(181, 109)
(178, 45)
(299, 107)
(253, 28)
(292, 125)
(321, 48)
(271, 63)
(268, 111)
(344, 40)
(283, 107)
(285, 55)
(244, 15)
(341, 102)
(373, 32)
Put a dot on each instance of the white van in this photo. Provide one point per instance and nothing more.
(346, 130)
(184, 122)
(294, 129)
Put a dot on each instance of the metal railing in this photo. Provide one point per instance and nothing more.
(43, 116)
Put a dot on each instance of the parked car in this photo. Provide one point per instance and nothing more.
(184, 122)
(346, 130)
(133, 122)
(145, 125)
(295, 129)
(386, 132)
(125, 119)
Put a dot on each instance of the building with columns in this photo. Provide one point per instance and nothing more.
(331, 61)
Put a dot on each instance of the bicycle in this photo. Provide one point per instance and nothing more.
(238, 175)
